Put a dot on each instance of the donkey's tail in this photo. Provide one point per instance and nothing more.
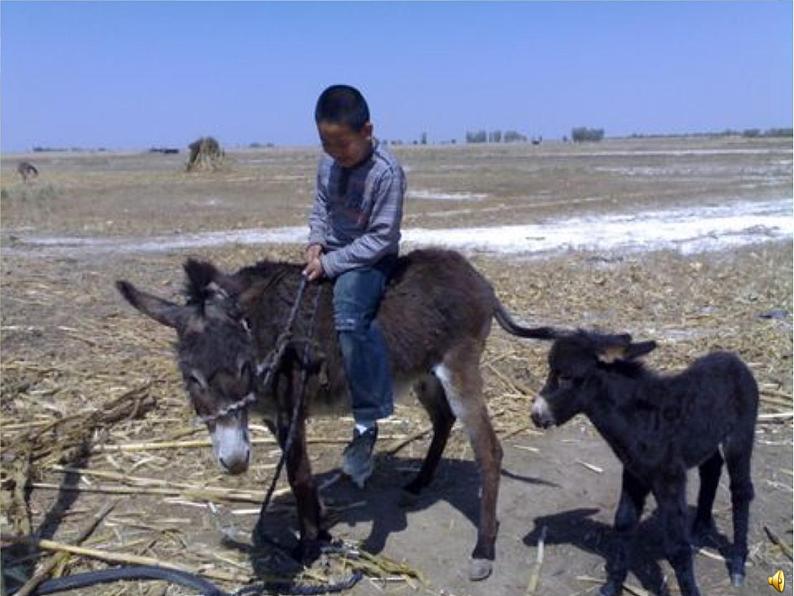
(508, 324)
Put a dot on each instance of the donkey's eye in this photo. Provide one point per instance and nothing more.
(246, 324)
(196, 380)
(565, 380)
(245, 369)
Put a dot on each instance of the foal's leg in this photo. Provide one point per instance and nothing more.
(632, 500)
(737, 456)
(710, 471)
(670, 493)
(460, 376)
(431, 395)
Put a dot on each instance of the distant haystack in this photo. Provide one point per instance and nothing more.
(27, 170)
(205, 155)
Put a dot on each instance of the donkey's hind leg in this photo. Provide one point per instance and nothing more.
(710, 471)
(738, 451)
(460, 376)
(431, 395)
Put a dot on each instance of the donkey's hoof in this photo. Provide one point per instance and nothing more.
(703, 533)
(479, 569)
(309, 550)
(737, 579)
(611, 588)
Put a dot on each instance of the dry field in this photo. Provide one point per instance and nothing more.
(89, 384)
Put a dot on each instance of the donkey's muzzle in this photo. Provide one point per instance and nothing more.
(231, 445)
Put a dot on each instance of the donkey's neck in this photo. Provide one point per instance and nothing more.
(626, 413)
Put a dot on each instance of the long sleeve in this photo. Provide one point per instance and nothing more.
(382, 235)
(318, 219)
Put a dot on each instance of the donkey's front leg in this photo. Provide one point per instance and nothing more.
(627, 516)
(670, 493)
(307, 498)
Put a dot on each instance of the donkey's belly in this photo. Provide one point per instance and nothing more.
(334, 403)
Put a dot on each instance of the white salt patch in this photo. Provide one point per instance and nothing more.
(433, 195)
(675, 152)
(689, 230)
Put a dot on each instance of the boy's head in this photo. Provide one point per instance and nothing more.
(342, 118)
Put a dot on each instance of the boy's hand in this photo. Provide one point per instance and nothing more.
(313, 251)
(314, 270)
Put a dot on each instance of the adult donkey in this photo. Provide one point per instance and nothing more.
(435, 315)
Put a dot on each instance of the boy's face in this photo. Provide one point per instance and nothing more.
(347, 146)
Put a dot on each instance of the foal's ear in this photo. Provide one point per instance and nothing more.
(160, 310)
(640, 349)
(611, 347)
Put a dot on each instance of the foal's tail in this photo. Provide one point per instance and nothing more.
(508, 324)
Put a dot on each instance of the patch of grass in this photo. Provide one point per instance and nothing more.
(31, 193)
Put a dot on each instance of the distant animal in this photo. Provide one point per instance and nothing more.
(660, 426)
(435, 315)
(27, 170)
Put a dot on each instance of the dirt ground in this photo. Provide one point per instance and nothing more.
(70, 344)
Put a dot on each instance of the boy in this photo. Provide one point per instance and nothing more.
(353, 239)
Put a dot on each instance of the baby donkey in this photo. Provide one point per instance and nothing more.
(659, 426)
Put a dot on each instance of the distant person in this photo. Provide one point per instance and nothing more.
(354, 239)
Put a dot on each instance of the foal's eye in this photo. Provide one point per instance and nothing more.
(565, 380)
(246, 324)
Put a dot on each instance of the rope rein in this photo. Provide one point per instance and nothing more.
(296, 408)
(266, 369)
(264, 372)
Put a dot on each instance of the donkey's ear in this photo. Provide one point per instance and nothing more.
(160, 310)
(205, 281)
(611, 347)
(639, 349)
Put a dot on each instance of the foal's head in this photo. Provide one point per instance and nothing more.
(577, 367)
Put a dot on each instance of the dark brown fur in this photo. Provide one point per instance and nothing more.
(435, 315)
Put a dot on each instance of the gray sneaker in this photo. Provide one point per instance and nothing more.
(357, 460)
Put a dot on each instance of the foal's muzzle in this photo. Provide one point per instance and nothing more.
(541, 414)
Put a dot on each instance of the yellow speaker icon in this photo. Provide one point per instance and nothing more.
(777, 581)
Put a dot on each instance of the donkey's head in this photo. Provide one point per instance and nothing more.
(215, 350)
(577, 372)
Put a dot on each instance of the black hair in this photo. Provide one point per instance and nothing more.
(342, 104)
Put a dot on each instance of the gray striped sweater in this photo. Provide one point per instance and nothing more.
(357, 211)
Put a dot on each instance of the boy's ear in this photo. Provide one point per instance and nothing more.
(367, 130)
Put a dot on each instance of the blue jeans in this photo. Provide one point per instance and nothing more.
(357, 294)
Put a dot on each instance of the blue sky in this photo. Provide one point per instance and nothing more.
(133, 75)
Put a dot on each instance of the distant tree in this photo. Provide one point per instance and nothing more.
(581, 134)
(512, 136)
(479, 136)
(778, 132)
(423, 139)
(495, 136)
(751, 132)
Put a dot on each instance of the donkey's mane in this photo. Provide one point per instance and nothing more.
(634, 369)
(265, 269)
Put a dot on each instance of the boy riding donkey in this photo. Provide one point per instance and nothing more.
(354, 240)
